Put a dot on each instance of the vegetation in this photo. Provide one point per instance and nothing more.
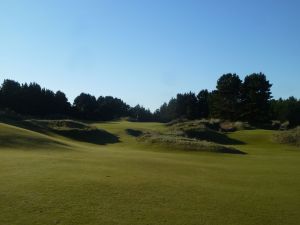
(194, 136)
(173, 141)
(74, 130)
(32, 100)
(48, 178)
(227, 99)
(289, 137)
(286, 110)
(203, 130)
(232, 100)
(249, 100)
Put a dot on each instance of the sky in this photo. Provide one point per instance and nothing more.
(147, 51)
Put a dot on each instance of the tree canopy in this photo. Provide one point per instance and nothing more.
(233, 99)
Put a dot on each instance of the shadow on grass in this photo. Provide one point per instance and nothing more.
(134, 133)
(12, 136)
(187, 144)
(212, 136)
(232, 151)
(77, 131)
(93, 136)
(72, 130)
(27, 142)
(26, 125)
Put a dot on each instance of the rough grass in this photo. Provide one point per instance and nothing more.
(60, 124)
(203, 130)
(182, 143)
(189, 135)
(288, 137)
(131, 183)
(213, 124)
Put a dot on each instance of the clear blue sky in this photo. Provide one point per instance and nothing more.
(146, 51)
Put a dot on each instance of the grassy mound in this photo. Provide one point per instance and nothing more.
(19, 138)
(211, 136)
(59, 124)
(93, 136)
(175, 141)
(197, 135)
(134, 133)
(288, 137)
(76, 131)
(204, 131)
(213, 124)
(127, 183)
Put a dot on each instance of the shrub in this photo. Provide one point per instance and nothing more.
(288, 137)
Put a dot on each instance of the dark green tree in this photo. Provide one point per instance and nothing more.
(33, 101)
(86, 106)
(168, 111)
(187, 105)
(256, 96)
(11, 95)
(62, 105)
(140, 114)
(228, 97)
(109, 108)
(203, 103)
(293, 115)
(286, 110)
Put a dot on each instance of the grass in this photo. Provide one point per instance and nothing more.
(192, 136)
(175, 141)
(288, 137)
(48, 179)
(77, 131)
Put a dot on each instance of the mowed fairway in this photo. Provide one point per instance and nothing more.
(55, 180)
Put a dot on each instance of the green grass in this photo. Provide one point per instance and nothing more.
(46, 178)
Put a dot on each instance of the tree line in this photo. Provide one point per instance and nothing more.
(32, 100)
(233, 99)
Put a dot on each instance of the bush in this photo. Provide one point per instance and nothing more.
(288, 137)
(8, 114)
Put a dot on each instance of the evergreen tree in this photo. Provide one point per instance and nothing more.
(86, 106)
(203, 103)
(187, 105)
(228, 96)
(256, 96)
(11, 95)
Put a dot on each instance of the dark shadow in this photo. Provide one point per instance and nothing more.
(178, 141)
(265, 126)
(26, 125)
(134, 133)
(212, 136)
(231, 151)
(94, 136)
(25, 142)
(86, 134)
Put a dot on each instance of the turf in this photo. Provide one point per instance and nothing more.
(53, 179)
